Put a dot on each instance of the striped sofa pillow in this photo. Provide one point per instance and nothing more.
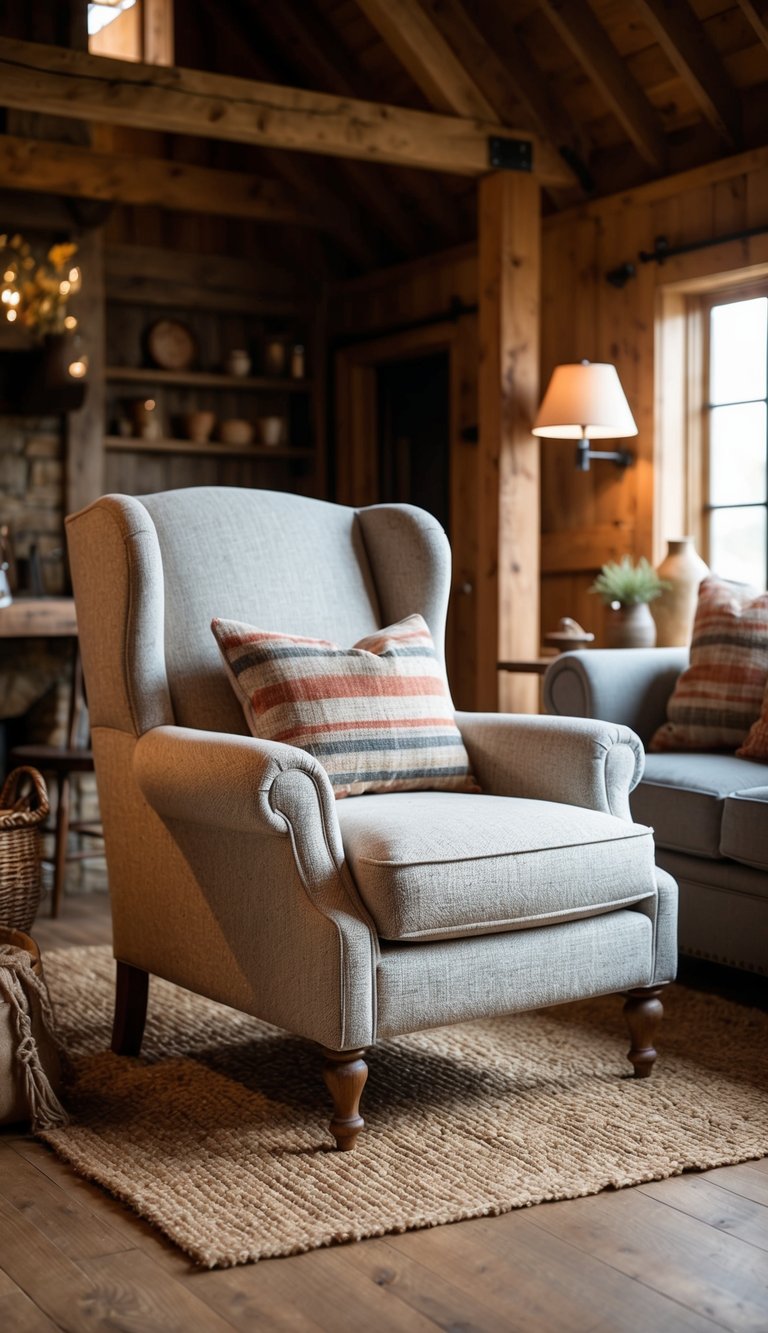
(377, 716)
(718, 697)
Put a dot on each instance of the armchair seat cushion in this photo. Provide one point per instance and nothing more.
(440, 865)
(682, 797)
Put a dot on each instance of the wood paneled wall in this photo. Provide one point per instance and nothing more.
(588, 518)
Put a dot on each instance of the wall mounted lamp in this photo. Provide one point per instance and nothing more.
(585, 401)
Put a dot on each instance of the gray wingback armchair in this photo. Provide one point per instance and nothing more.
(235, 873)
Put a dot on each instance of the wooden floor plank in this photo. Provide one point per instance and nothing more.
(743, 1179)
(135, 1293)
(328, 1292)
(76, 1231)
(534, 1283)
(705, 1270)
(40, 1270)
(250, 1299)
(18, 1314)
(419, 1288)
(701, 1197)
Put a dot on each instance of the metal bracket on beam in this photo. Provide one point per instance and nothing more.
(510, 154)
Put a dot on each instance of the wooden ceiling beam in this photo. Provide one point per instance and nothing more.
(757, 16)
(218, 106)
(679, 34)
(61, 168)
(412, 36)
(587, 40)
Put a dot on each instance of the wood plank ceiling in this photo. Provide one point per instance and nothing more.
(625, 90)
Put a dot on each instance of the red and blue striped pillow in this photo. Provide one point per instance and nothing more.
(377, 716)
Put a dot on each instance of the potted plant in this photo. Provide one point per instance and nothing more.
(626, 588)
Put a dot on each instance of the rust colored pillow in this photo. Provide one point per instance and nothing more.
(718, 697)
(756, 744)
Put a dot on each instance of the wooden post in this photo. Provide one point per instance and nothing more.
(84, 472)
(507, 624)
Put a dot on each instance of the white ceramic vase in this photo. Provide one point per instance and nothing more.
(674, 610)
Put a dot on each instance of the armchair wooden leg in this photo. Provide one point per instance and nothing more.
(643, 1011)
(131, 991)
(345, 1073)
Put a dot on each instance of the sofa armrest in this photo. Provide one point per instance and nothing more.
(570, 760)
(625, 685)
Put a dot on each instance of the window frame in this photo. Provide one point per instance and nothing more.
(698, 351)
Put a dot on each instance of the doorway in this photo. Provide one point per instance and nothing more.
(413, 429)
(406, 432)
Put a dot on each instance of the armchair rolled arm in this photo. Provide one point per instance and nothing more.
(625, 685)
(572, 760)
(255, 821)
(228, 782)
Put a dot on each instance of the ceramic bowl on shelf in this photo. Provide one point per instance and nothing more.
(234, 431)
(198, 426)
(272, 430)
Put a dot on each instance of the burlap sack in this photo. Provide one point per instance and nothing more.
(30, 1067)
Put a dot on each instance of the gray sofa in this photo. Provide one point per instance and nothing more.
(709, 812)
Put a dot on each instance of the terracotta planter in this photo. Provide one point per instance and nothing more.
(630, 627)
(674, 610)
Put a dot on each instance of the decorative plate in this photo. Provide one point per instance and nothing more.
(171, 344)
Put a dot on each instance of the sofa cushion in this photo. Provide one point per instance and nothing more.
(437, 864)
(718, 697)
(744, 835)
(377, 716)
(682, 798)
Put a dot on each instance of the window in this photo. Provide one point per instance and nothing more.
(735, 482)
(132, 30)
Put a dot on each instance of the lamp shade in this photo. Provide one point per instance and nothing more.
(584, 401)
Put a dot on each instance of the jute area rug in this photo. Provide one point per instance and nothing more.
(217, 1135)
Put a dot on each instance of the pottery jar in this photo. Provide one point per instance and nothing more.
(630, 626)
(674, 610)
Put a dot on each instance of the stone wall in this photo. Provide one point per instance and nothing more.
(32, 494)
(35, 674)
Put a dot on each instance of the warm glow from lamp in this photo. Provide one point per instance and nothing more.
(585, 401)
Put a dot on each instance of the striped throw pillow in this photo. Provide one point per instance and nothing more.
(718, 697)
(377, 716)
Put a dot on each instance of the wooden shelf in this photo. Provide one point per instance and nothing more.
(132, 444)
(203, 379)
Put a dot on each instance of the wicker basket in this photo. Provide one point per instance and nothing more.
(23, 808)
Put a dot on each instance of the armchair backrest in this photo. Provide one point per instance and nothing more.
(149, 574)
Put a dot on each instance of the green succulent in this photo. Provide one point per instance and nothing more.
(628, 583)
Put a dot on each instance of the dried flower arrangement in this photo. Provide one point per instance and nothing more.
(36, 292)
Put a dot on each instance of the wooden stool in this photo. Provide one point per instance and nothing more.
(62, 762)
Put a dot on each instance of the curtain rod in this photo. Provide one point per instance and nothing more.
(662, 250)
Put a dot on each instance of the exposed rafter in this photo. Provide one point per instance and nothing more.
(50, 167)
(757, 15)
(540, 100)
(217, 106)
(586, 39)
(412, 36)
(306, 37)
(505, 71)
(678, 32)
